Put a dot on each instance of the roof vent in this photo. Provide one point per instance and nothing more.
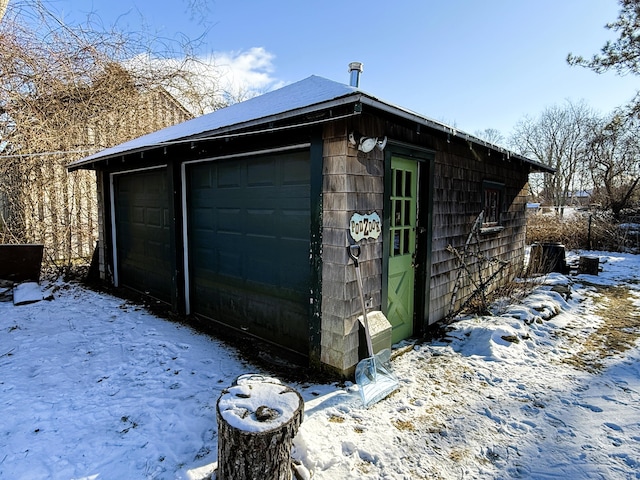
(355, 68)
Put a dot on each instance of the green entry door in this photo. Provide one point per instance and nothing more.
(401, 282)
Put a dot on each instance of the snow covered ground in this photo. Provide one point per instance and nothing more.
(95, 387)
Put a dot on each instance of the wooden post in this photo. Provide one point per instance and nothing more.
(258, 417)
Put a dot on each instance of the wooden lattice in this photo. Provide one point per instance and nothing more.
(471, 250)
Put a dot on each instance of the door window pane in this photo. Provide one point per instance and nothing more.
(396, 243)
(406, 243)
(407, 185)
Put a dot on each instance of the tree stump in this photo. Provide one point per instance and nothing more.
(258, 417)
(589, 265)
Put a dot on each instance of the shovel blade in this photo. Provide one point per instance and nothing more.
(375, 379)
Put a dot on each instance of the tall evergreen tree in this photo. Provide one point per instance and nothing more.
(621, 55)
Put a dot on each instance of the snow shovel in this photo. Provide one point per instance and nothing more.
(373, 374)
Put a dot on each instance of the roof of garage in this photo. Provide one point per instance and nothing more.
(311, 94)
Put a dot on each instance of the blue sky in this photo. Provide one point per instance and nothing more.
(475, 64)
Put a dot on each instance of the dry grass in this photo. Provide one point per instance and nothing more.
(592, 231)
(336, 419)
(619, 330)
(404, 425)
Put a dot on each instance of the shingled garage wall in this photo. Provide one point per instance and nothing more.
(352, 182)
(459, 175)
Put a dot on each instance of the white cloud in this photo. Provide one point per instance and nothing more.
(244, 73)
(222, 77)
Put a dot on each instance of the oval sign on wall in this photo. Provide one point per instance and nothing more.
(365, 226)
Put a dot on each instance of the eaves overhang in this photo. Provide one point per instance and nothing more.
(248, 127)
(281, 109)
(454, 132)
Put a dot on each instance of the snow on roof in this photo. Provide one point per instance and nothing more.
(311, 94)
(310, 91)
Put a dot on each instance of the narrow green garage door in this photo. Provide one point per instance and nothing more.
(142, 233)
(248, 245)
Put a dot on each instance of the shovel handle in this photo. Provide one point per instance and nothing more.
(354, 253)
(365, 320)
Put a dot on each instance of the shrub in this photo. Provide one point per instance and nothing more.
(589, 230)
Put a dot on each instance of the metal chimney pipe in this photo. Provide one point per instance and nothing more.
(355, 68)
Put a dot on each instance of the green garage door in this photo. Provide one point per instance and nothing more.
(142, 234)
(248, 245)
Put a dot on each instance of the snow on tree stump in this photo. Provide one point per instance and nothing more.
(589, 265)
(258, 417)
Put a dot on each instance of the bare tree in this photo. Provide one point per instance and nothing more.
(490, 135)
(614, 162)
(558, 137)
(67, 91)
